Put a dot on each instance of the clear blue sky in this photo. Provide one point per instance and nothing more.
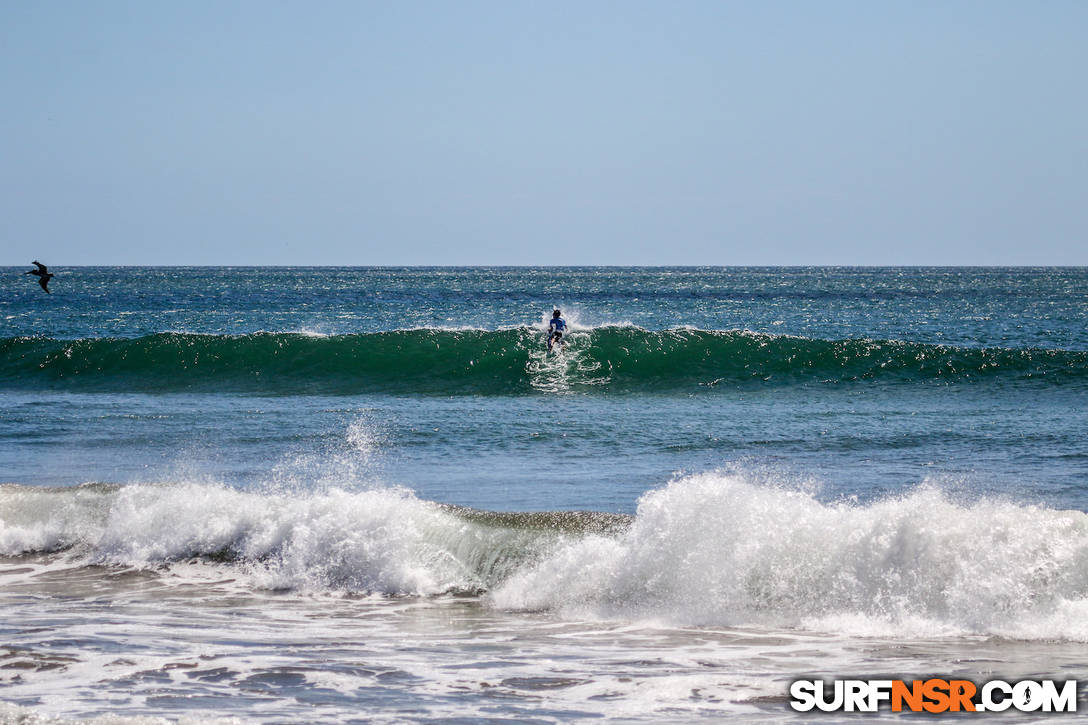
(507, 132)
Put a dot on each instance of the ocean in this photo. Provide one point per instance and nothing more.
(368, 494)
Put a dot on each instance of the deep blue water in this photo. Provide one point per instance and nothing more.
(518, 446)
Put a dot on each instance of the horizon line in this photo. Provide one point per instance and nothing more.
(565, 266)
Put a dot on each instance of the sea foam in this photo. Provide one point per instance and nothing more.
(717, 549)
(709, 549)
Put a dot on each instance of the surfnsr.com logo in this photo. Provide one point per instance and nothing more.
(933, 695)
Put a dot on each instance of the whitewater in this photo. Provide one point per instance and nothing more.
(268, 495)
(710, 549)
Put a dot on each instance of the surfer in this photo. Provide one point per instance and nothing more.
(42, 273)
(556, 327)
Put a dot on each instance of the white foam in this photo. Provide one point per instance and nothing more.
(11, 714)
(378, 540)
(578, 320)
(716, 549)
(440, 328)
(311, 332)
(710, 549)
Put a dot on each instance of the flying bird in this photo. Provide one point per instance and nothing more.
(42, 273)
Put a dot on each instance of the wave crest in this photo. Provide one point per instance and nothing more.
(506, 362)
(710, 549)
(715, 549)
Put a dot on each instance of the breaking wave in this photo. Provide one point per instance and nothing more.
(506, 362)
(710, 549)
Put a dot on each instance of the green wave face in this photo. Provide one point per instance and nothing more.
(506, 362)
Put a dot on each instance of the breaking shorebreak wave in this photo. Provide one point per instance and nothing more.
(709, 549)
(507, 362)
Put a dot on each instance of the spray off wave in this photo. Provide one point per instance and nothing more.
(711, 549)
(506, 362)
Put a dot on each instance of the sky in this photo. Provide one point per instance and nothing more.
(675, 132)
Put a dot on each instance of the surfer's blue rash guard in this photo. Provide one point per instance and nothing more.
(557, 324)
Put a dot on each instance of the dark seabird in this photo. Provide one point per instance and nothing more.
(42, 273)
